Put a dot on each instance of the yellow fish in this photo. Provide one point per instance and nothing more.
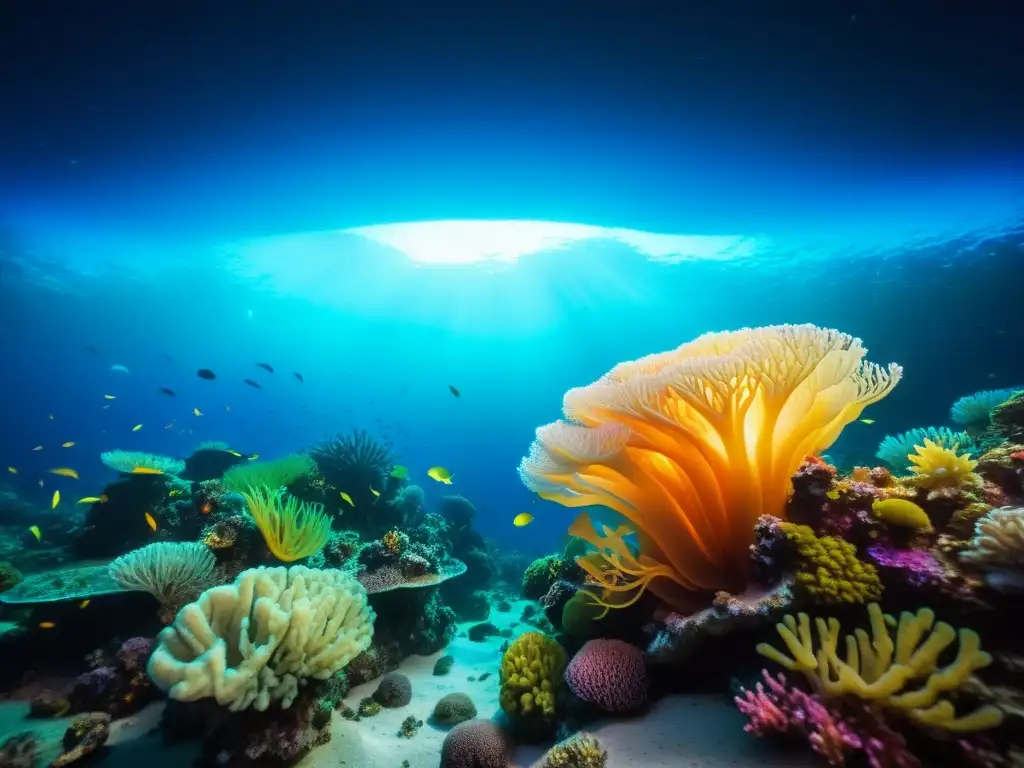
(146, 471)
(235, 453)
(523, 518)
(867, 421)
(46, 625)
(110, 397)
(56, 499)
(65, 472)
(136, 428)
(84, 604)
(440, 474)
(91, 500)
(12, 470)
(254, 457)
(38, 448)
(151, 521)
(197, 412)
(375, 493)
(347, 498)
(34, 530)
(68, 444)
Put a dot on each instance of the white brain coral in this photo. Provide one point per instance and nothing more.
(255, 641)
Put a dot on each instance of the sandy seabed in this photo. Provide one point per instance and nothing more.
(690, 731)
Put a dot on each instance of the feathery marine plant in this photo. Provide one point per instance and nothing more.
(691, 446)
(171, 571)
(274, 474)
(974, 411)
(292, 529)
(895, 449)
(131, 462)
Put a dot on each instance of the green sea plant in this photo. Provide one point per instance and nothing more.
(171, 571)
(274, 474)
(292, 529)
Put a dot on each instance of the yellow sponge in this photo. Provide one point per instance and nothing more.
(831, 572)
(531, 674)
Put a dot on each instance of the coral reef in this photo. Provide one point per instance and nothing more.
(974, 411)
(85, 735)
(830, 571)
(581, 750)
(609, 674)
(675, 439)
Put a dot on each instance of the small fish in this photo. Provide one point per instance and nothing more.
(65, 472)
(92, 500)
(84, 604)
(136, 428)
(206, 373)
(103, 408)
(38, 448)
(12, 470)
(91, 349)
(375, 493)
(298, 376)
(110, 397)
(252, 383)
(169, 426)
(196, 412)
(118, 368)
(440, 474)
(146, 471)
(523, 518)
(34, 530)
(68, 444)
(253, 456)
(42, 484)
(206, 509)
(399, 472)
(46, 625)
(234, 453)
(347, 498)
(167, 391)
(454, 390)
(265, 366)
(867, 421)
(55, 500)
(151, 521)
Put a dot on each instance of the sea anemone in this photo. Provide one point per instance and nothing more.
(691, 446)
(895, 449)
(975, 411)
(131, 462)
(936, 467)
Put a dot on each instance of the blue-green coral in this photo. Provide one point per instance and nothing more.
(895, 449)
(974, 411)
(830, 571)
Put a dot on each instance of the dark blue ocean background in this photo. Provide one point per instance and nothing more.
(161, 175)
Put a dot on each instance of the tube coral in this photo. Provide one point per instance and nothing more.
(691, 446)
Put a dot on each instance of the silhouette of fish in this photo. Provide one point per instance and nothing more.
(92, 349)
(298, 376)
(265, 366)
(454, 391)
(206, 373)
(252, 383)
(168, 392)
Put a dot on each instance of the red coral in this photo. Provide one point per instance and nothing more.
(610, 674)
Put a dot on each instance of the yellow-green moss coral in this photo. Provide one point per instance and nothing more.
(831, 572)
(902, 513)
(581, 750)
(531, 674)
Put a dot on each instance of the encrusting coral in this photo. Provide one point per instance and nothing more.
(254, 641)
(934, 466)
(581, 750)
(691, 446)
(877, 669)
(830, 571)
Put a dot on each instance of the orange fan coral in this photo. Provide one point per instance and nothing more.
(691, 446)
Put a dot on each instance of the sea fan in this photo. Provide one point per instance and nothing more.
(975, 411)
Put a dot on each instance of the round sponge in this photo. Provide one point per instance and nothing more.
(475, 744)
(610, 674)
(394, 690)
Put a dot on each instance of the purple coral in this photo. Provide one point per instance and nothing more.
(610, 674)
(776, 707)
(918, 566)
(134, 653)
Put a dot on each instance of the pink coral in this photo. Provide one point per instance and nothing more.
(776, 707)
(918, 566)
(610, 674)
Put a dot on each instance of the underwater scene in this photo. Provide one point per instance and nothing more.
(355, 414)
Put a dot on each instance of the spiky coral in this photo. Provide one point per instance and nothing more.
(877, 669)
(691, 446)
(934, 467)
(895, 449)
(354, 462)
(830, 570)
(292, 529)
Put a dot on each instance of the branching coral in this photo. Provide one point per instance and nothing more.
(292, 529)
(136, 462)
(879, 669)
(691, 446)
(934, 466)
(831, 572)
(894, 449)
